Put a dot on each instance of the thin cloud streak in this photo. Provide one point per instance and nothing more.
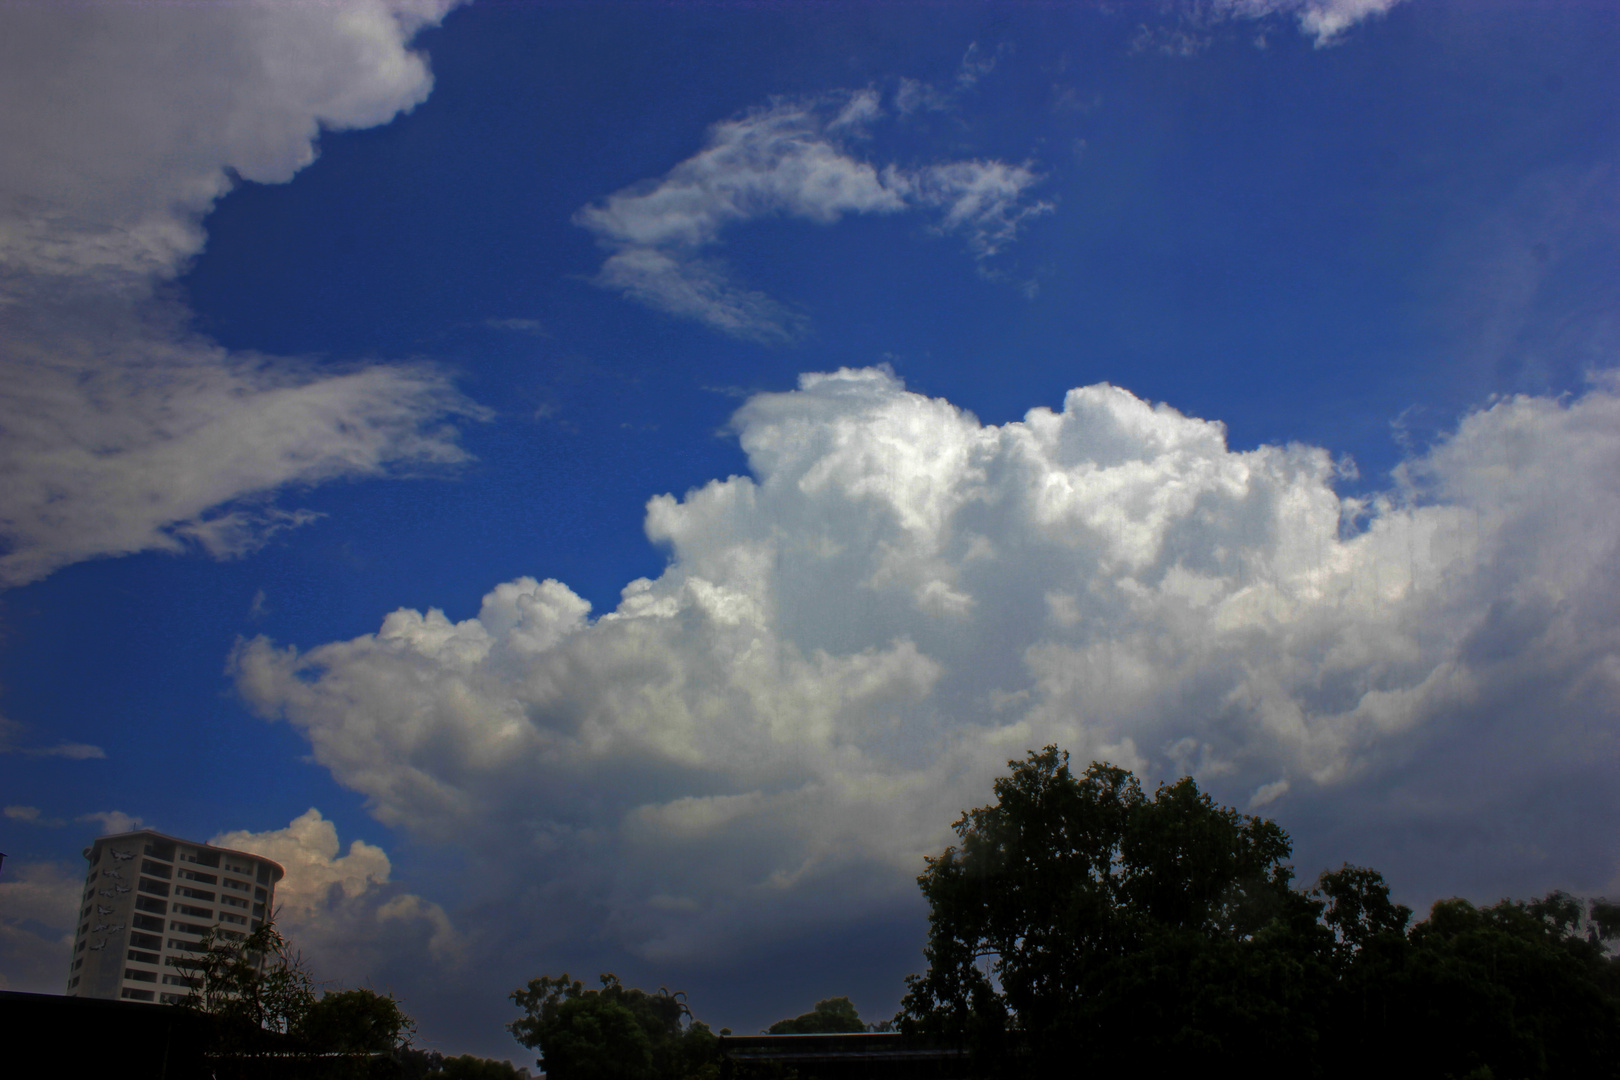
(790, 158)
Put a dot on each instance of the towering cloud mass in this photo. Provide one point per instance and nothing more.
(341, 911)
(847, 645)
(792, 159)
(124, 123)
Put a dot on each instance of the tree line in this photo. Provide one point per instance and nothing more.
(1077, 916)
(1078, 919)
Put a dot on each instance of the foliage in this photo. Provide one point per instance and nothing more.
(829, 1015)
(468, 1067)
(432, 1065)
(1521, 988)
(256, 982)
(1078, 908)
(261, 998)
(355, 1021)
(1078, 912)
(615, 1033)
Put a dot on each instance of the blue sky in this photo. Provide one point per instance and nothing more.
(1220, 387)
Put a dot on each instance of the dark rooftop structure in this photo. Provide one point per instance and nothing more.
(856, 1056)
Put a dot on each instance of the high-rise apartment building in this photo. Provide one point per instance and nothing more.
(148, 899)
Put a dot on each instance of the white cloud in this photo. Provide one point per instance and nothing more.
(1324, 21)
(38, 902)
(125, 117)
(124, 124)
(11, 729)
(112, 822)
(848, 644)
(32, 816)
(789, 159)
(342, 911)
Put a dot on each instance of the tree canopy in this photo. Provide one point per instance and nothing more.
(830, 1015)
(615, 1033)
(257, 986)
(1078, 915)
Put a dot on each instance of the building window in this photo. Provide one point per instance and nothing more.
(239, 920)
(183, 946)
(146, 941)
(155, 869)
(182, 980)
(146, 922)
(192, 875)
(234, 901)
(174, 999)
(187, 927)
(201, 858)
(195, 894)
(73, 982)
(200, 912)
(147, 903)
(143, 957)
(139, 995)
(240, 886)
(156, 888)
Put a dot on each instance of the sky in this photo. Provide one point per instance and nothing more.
(603, 486)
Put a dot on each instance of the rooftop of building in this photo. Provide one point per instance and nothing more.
(280, 871)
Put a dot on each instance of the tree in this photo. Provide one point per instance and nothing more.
(615, 1033)
(830, 1015)
(355, 1021)
(261, 998)
(1078, 916)
(252, 983)
(1520, 988)
(468, 1067)
(1078, 910)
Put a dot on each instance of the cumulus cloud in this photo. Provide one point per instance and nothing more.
(791, 158)
(38, 902)
(124, 124)
(850, 642)
(341, 910)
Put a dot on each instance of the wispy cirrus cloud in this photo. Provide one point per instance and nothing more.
(10, 730)
(120, 429)
(31, 815)
(1325, 22)
(790, 158)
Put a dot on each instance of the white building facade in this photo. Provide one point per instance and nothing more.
(148, 899)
